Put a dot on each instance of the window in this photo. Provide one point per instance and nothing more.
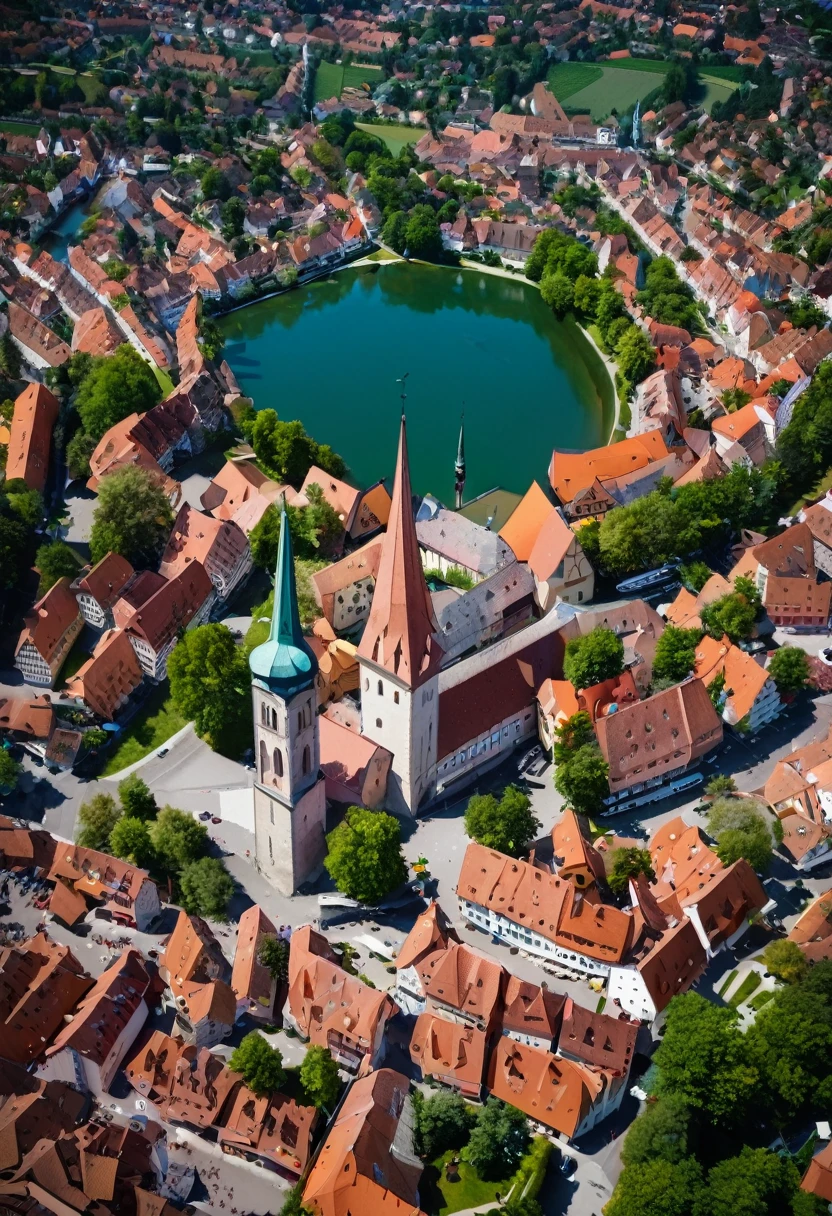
(271, 814)
(516, 728)
(380, 688)
(495, 739)
(462, 757)
(378, 723)
(395, 698)
(472, 751)
(274, 719)
(278, 763)
(264, 760)
(271, 854)
(505, 732)
(366, 685)
(264, 713)
(300, 720)
(306, 762)
(580, 596)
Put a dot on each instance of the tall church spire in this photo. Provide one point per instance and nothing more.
(399, 632)
(459, 465)
(285, 664)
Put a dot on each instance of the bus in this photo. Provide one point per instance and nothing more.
(657, 794)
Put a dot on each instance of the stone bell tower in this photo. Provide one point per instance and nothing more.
(289, 801)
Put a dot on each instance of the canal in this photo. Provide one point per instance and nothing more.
(330, 353)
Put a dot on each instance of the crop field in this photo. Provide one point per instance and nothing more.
(332, 78)
(618, 84)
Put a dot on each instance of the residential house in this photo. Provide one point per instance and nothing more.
(368, 1162)
(451, 1052)
(673, 963)
(462, 986)
(252, 982)
(450, 542)
(578, 478)
(356, 769)
(30, 442)
(541, 912)
(745, 428)
(812, 931)
(88, 1051)
(574, 856)
(126, 892)
(491, 609)
(332, 1008)
(49, 631)
(219, 546)
(274, 1130)
(41, 982)
(818, 519)
(32, 1110)
(784, 571)
(40, 346)
(749, 699)
(240, 492)
(817, 1180)
(361, 512)
(653, 741)
(181, 603)
(344, 590)
(188, 1085)
(532, 1015)
(109, 677)
(194, 968)
(432, 933)
(557, 700)
(98, 588)
(538, 536)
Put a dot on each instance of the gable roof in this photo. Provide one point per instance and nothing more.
(522, 528)
(30, 440)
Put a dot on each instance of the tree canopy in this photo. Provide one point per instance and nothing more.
(115, 385)
(206, 888)
(734, 614)
(274, 955)
(365, 856)
(130, 839)
(260, 1065)
(286, 451)
(594, 657)
(54, 561)
(675, 654)
(789, 668)
(178, 838)
(133, 517)
(742, 827)
(627, 863)
(209, 680)
(785, 960)
(506, 825)
(136, 799)
(499, 1139)
(584, 779)
(97, 818)
(443, 1121)
(319, 1077)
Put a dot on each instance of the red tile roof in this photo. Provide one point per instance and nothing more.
(35, 415)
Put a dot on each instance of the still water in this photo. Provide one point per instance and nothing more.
(330, 354)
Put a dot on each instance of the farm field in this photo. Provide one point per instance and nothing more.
(332, 78)
(396, 137)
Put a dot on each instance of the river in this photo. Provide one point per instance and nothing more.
(330, 353)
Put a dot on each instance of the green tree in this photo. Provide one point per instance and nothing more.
(584, 780)
(587, 295)
(365, 855)
(260, 1065)
(214, 184)
(116, 385)
(10, 772)
(232, 216)
(293, 1204)
(178, 838)
(558, 292)
(498, 1140)
(209, 680)
(136, 799)
(507, 825)
(790, 1043)
(665, 1131)
(785, 960)
(721, 784)
(78, 452)
(704, 1059)
(206, 888)
(11, 360)
(25, 503)
(130, 839)
(756, 1183)
(287, 452)
(789, 668)
(675, 653)
(394, 232)
(319, 1077)
(132, 517)
(657, 1188)
(635, 354)
(54, 561)
(274, 955)
(571, 735)
(695, 576)
(443, 1121)
(597, 656)
(629, 863)
(424, 238)
(14, 537)
(735, 614)
(97, 818)
(742, 827)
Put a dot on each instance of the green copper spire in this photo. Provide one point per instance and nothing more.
(285, 664)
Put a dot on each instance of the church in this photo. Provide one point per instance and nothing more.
(442, 719)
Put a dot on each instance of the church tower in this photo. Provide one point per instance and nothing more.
(459, 465)
(399, 656)
(289, 801)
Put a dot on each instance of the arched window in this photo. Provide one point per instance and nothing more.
(300, 720)
(264, 713)
(274, 719)
(264, 760)
(366, 685)
(278, 763)
(380, 689)
(306, 762)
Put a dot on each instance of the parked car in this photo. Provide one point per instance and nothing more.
(205, 816)
(825, 656)
(162, 752)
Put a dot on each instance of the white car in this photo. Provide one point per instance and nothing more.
(825, 656)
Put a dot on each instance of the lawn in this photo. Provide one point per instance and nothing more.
(150, 728)
(396, 137)
(19, 128)
(356, 74)
(616, 89)
(441, 1197)
(815, 492)
(762, 998)
(750, 984)
(165, 382)
(715, 90)
(329, 81)
(568, 78)
(728, 982)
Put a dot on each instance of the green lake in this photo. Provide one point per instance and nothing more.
(330, 353)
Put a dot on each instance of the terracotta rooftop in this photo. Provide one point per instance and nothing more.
(106, 1009)
(523, 527)
(431, 932)
(545, 1087)
(40, 983)
(46, 625)
(105, 580)
(569, 473)
(457, 976)
(448, 1049)
(532, 1010)
(35, 415)
(250, 978)
(597, 1039)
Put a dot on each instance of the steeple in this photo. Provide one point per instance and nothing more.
(285, 664)
(459, 465)
(399, 632)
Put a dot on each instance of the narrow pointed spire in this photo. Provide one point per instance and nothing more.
(399, 632)
(459, 465)
(285, 663)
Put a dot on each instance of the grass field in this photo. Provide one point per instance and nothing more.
(750, 984)
(332, 78)
(19, 128)
(395, 137)
(148, 730)
(618, 84)
(442, 1197)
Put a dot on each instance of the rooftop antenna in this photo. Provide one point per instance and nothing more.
(402, 380)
